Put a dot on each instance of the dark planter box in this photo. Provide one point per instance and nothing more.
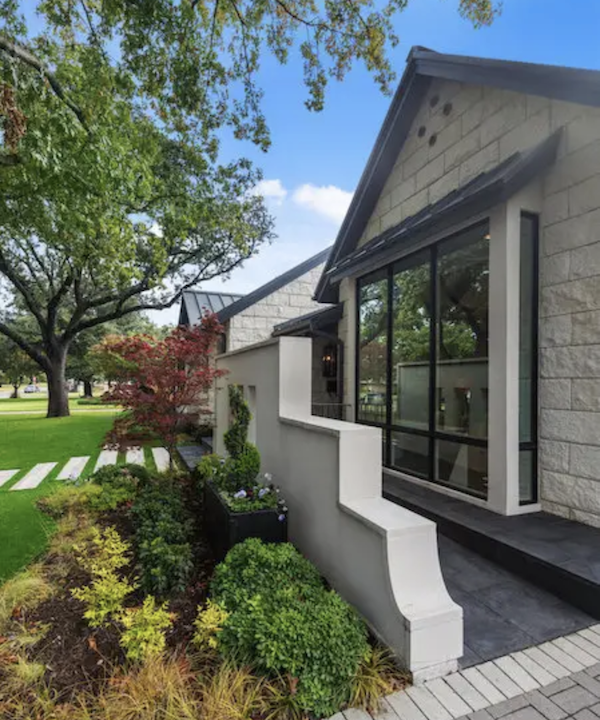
(225, 528)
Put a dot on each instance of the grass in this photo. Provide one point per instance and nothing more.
(39, 403)
(31, 439)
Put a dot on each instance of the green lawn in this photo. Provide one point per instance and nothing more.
(24, 441)
(39, 403)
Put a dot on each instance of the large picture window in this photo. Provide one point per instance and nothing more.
(423, 360)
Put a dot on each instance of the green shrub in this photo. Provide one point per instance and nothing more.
(112, 474)
(236, 436)
(285, 621)
(68, 499)
(166, 567)
(162, 531)
(243, 469)
(211, 467)
(243, 464)
(119, 485)
(144, 636)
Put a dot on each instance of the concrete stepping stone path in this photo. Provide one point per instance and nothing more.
(106, 457)
(35, 476)
(135, 456)
(6, 475)
(73, 468)
(161, 458)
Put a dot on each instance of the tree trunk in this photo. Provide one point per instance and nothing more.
(15, 393)
(58, 398)
(87, 389)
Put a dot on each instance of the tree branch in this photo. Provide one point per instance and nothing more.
(25, 346)
(20, 53)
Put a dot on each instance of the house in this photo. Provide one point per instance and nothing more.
(251, 318)
(283, 305)
(468, 271)
(464, 285)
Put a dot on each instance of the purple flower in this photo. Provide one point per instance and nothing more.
(262, 492)
(281, 518)
(239, 494)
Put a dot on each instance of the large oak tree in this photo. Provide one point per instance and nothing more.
(112, 196)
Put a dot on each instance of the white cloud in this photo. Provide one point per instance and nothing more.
(328, 200)
(271, 190)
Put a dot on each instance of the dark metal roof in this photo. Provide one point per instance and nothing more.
(569, 84)
(480, 194)
(273, 285)
(194, 302)
(315, 320)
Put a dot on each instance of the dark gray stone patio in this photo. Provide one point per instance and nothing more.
(503, 612)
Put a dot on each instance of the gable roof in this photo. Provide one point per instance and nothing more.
(423, 65)
(273, 285)
(194, 302)
(480, 194)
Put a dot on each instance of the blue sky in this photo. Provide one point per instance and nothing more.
(327, 151)
(316, 158)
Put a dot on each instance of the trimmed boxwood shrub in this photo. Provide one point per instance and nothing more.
(283, 620)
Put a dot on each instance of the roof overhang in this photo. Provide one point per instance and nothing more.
(311, 322)
(479, 195)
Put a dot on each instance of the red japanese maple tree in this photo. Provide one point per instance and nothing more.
(159, 381)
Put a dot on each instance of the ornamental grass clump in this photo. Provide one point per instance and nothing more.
(284, 621)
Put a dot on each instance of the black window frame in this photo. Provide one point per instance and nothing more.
(388, 427)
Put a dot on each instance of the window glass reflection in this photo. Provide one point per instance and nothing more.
(372, 350)
(411, 343)
(462, 335)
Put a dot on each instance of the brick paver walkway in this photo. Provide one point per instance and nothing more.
(557, 680)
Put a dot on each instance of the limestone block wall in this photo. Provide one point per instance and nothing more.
(470, 129)
(256, 322)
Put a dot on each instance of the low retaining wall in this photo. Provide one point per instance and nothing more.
(380, 557)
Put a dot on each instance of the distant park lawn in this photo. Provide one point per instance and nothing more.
(38, 402)
(25, 441)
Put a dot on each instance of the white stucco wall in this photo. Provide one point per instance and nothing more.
(484, 127)
(381, 558)
(291, 301)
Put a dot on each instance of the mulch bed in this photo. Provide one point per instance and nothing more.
(78, 656)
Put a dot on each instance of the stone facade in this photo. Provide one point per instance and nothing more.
(471, 129)
(256, 323)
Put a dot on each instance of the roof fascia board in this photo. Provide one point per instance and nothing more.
(561, 83)
(463, 212)
(273, 285)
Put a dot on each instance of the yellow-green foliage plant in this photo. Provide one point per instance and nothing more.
(67, 500)
(209, 624)
(105, 595)
(160, 689)
(25, 591)
(144, 636)
(72, 533)
(231, 693)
